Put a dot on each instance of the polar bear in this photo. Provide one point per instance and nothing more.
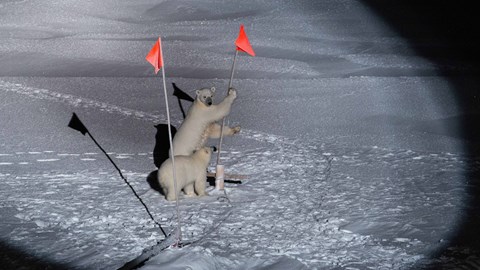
(191, 174)
(199, 124)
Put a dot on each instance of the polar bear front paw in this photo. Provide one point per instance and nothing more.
(171, 197)
(232, 92)
(236, 129)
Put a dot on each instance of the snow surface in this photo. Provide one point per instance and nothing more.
(350, 162)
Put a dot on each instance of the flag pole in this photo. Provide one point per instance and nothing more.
(179, 230)
(223, 120)
(242, 44)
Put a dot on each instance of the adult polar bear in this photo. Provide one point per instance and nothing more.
(199, 124)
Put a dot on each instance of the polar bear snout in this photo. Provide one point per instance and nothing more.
(208, 101)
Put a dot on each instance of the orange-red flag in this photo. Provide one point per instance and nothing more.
(242, 42)
(154, 57)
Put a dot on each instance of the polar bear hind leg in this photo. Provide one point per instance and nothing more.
(189, 190)
(169, 192)
(171, 196)
(214, 130)
(167, 184)
(200, 184)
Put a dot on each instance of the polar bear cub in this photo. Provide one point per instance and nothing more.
(199, 124)
(191, 174)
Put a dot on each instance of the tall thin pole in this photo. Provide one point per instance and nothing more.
(179, 230)
(223, 120)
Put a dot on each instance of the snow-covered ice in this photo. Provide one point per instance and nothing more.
(348, 140)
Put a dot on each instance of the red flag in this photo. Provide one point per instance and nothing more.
(154, 57)
(242, 42)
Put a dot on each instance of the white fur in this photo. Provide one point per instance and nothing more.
(199, 124)
(191, 174)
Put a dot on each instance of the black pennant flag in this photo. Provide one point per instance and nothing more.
(180, 94)
(76, 124)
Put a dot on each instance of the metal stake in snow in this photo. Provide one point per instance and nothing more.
(242, 44)
(76, 124)
(155, 57)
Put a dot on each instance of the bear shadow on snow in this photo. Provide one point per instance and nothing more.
(162, 144)
(153, 182)
(160, 153)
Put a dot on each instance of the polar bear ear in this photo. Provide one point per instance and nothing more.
(212, 89)
(197, 92)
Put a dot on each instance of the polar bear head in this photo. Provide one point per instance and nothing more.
(205, 95)
(203, 155)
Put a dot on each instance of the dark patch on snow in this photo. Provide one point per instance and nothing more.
(15, 258)
(153, 181)
(446, 32)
